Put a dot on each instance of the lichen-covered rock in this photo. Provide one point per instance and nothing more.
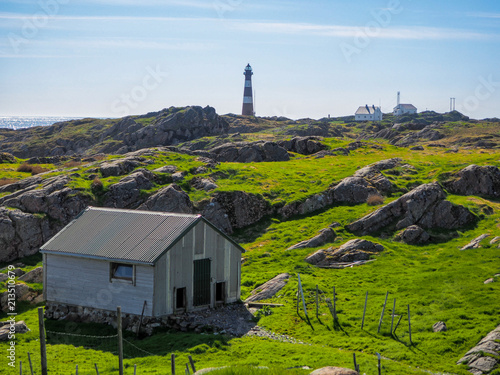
(424, 206)
(121, 167)
(326, 235)
(243, 152)
(414, 235)
(269, 289)
(313, 203)
(476, 242)
(33, 276)
(5, 157)
(439, 327)
(475, 180)
(127, 192)
(303, 145)
(353, 190)
(354, 250)
(242, 209)
(169, 199)
(316, 257)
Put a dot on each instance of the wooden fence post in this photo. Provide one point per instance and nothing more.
(96, 369)
(303, 300)
(393, 312)
(76, 370)
(135, 369)
(187, 369)
(43, 348)
(317, 302)
(355, 364)
(335, 305)
(379, 365)
(192, 363)
(31, 365)
(397, 324)
(298, 298)
(364, 311)
(120, 339)
(409, 324)
(382, 315)
(172, 358)
(20, 367)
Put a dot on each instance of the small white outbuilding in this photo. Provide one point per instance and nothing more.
(163, 262)
(368, 113)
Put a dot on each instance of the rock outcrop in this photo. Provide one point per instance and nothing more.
(242, 209)
(483, 358)
(352, 251)
(33, 276)
(475, 243)
(245, 152)
(351, 190)
(475, 180)
(127, 192)
(123, 166)
(169, 199)
(15, 328)
(5, 157)
(303, 145)
(326, 235)
(425, 206)
(414, 235)
(269, 289)
(355, 250)
(36, 214)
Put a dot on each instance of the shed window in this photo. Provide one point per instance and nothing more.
(122, 271)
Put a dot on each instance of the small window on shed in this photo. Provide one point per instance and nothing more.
(122, 271)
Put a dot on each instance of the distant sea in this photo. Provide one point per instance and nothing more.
(19, 122)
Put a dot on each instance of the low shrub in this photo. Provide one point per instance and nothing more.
(6, 181)
(375, 200)
(33, 169)
(96, 185)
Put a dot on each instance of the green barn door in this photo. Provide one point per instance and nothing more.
(201, 288)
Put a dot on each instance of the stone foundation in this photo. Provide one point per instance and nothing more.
(130, 322)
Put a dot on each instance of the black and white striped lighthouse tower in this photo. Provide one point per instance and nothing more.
(247, 93)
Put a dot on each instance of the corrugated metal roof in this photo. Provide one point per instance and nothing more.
(128, 235)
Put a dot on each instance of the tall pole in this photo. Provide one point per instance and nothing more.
(43, 349)
(120, 339)
(248, 109)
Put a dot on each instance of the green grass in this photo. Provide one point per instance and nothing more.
(437, 281)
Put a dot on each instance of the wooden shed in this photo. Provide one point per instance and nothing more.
(163, 262)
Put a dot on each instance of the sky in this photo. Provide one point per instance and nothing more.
(112, 58)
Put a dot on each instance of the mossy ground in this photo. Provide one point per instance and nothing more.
(438, 281)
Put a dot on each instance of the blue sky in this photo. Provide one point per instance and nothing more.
(110, 58)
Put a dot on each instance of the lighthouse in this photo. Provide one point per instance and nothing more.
(247, 93)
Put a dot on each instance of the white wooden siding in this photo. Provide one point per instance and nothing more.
(200, 242)
(85, 282)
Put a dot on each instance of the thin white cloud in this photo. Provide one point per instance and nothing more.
(406, 33)
(22, 16)
(111, 43)
(484, 15)
(179, 3)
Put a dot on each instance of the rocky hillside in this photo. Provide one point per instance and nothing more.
(409, 206)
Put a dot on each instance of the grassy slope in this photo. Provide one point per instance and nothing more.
(438, 281)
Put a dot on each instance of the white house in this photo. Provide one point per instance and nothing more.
(368, 113)
(402, 109)
(162, 262)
